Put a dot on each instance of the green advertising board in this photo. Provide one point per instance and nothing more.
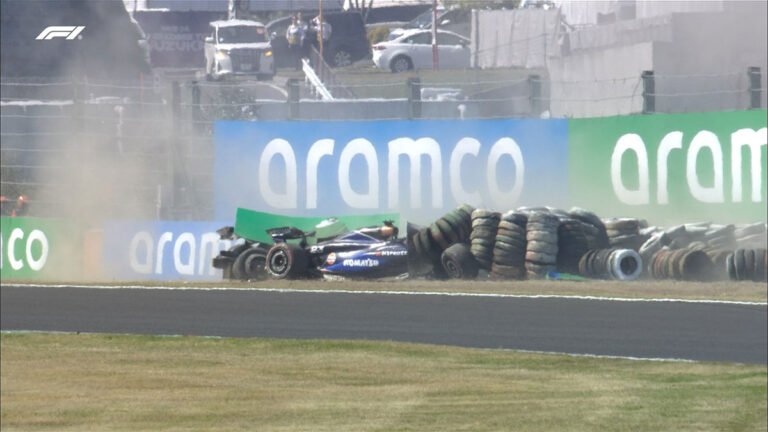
(36, 248)
(671, 168)
(253, 225)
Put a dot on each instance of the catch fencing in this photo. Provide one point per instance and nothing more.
(145, 149)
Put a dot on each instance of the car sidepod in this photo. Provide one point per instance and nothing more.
(384, 259)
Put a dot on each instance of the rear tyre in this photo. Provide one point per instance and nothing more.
(458, 262)
(401, 64)
(287, 261)
(255, 265)
(246, 265)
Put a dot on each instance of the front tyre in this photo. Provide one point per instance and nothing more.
(287, 261)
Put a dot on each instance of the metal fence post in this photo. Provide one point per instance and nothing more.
(474, 62)
(175, 103)
(649, 92)
(534, 83)
(196, 113)
(414, 98)
(170, 199)
(77, 107)
(755, 90)
(293, 98)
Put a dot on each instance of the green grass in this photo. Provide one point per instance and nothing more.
(127, 383)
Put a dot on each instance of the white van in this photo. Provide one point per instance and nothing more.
(238, 47)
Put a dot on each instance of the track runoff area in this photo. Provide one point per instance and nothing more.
(674, 329)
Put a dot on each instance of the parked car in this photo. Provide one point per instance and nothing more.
(238, 47)
(413, 50)
(455, 20)
(348, 42)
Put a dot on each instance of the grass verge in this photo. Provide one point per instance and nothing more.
(99, 382)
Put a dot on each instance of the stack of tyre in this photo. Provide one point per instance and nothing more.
(542, 245)
(572, 244)
(433, 244)
(753, 236)
(624, 233)
(718, 258)
(593, 227)
(748, 264)
(611, 263)
(687, 264)
(485, 224)
(719, 236)
(510, 247)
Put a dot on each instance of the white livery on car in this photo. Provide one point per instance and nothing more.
(238, 47)
(413, 50)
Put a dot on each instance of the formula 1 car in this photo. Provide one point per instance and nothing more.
(371, 252)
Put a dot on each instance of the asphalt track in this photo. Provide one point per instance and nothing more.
(640, 329)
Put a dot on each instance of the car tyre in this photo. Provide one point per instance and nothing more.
(287, 261)
(341, 57)
(255, 265)
(400, 64)
(238, 271)
(459, 263)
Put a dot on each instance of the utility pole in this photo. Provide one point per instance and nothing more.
(320, 26)
(435, 60)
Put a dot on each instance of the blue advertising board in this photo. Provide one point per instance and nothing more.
(418, 168)
(162, 250)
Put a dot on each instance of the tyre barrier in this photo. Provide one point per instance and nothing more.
(718, 258)
(509, 248)
(428, 243)
(485, 224)
(529, 242)
(542, 244)
(625, 233)
(682, 264)
(594, 229)
(612, 263)
(714, 236)
(747, 265)
(572, 244)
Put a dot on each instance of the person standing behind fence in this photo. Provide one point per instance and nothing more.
(326, 29)
(22, 206)
(295, 37)
(309, 36)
